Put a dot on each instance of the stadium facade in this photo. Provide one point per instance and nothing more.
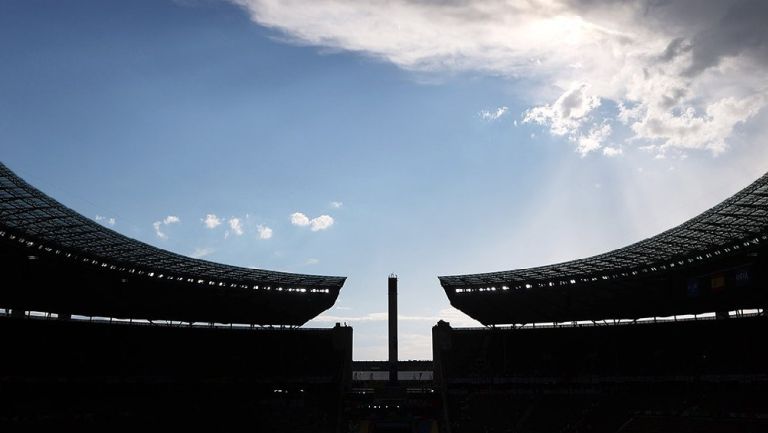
(713, 262)
(664, 335)
(62, 262)
(103, 331)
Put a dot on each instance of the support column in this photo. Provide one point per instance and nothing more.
(392, 293)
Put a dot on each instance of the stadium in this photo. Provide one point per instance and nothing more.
(663, 335)
(400, 216)
(103, 331)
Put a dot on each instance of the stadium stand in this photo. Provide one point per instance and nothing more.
(100, 331)
(81, 374)
(103, 332)
(62, 262)
(376, 404)
(713, 262)
(600, 377)
(665, 335)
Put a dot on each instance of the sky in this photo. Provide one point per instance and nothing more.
(362, 138)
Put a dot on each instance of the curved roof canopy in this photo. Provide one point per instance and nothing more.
(102, 272)
(713, 262)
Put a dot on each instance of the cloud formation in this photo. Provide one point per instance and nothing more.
(264, 231)
(106, 221)
(322, 222)
(211, 221)
(450, 314)
(568, 113)
(158, 225)
(199, 253)
(679, 75)
(612, 151)
(236, 226)
(593, 139)
(491, 115)
(299, 219)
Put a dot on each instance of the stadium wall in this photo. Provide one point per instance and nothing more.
(73, 373)
(563, 378)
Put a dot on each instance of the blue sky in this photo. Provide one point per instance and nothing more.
(466, 152)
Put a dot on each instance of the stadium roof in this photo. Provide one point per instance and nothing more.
(38, 222)
(654, 277)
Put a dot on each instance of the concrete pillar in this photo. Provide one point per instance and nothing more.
(392, 293)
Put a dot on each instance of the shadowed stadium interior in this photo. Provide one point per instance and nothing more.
(664, 335)
(76, 373)
(103, 331)
(100, 330)
(605, 378)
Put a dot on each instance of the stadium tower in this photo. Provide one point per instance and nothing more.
(392, 296)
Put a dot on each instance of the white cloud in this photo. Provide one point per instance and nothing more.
(321, 223)
(299, 219)
(456, 318)
(414, 346)
(451, 315)
(493, 115)
(656, 59)
(211, 221)
(157, 225)
(199, 253)
(370, 317)
(316, 224)
(159, 232)
(612, 151)
(312, 261)
(490, 35)
(567, 114)
(690, 129)
(593, 140)
(264, 231)
(106, 221)
(336, 204)
(236, 226)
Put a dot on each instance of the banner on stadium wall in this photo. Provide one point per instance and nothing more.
(718, 282)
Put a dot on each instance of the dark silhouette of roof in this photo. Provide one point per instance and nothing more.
(652, 272)
(48, 229)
